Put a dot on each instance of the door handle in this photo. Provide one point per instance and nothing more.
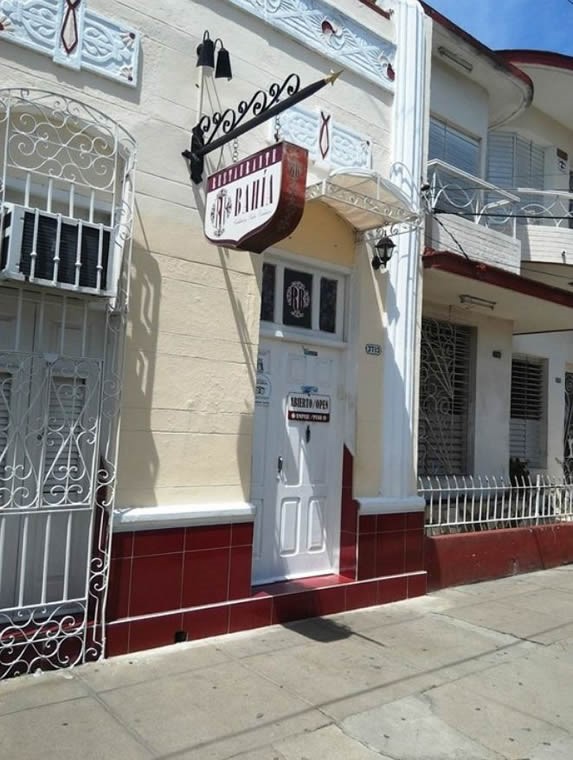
(280, 463)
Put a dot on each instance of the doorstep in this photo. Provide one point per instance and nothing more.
(271, 604)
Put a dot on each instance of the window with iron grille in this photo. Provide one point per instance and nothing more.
(446, 370)
(527, 423)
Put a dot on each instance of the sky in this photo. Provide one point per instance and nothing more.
(501, 24)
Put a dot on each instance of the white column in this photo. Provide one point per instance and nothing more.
(403, 287)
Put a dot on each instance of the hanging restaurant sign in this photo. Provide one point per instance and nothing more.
(303, 407)
(258, 201)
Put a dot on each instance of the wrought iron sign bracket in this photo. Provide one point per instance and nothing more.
(212, 132)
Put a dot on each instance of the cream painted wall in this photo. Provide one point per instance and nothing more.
(457, 100)
(193, 325)
(322, 235)
(489, 436)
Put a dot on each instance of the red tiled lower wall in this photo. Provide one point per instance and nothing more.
(348, 521)
(158, 570)
(470, 557)
(259, 611)
(390, 544)
(157, 577)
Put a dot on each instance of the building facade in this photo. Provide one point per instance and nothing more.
(495, 422)
(196, 439)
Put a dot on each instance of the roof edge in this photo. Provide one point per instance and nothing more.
(538, 57)
(496, 58)
(453, 263)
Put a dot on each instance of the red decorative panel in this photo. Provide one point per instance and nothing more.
(348, 519)
(240, 573)
(205, 577)
(155, 584)
(242, 534)
(255, 613)
(208, 537)
(153, 632)
(150, 542)
(122, 545)
(390, 544)
(117, 639)
(361, 595)
(392, 589)
(119, 589)
(390, 553)
(211, 621)
(417, 585)
(471, 557)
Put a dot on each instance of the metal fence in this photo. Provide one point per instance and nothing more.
(457, 504)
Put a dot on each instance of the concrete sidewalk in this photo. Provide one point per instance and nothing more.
(477, 672)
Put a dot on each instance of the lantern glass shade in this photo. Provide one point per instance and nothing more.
(384, 249)
(206, 52)
(223, 68)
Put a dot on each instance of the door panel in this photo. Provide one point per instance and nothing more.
(297, 530)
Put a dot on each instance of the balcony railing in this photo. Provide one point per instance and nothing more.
(457, 504)
(549, 208)
(457, 192)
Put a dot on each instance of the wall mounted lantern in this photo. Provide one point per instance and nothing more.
(206, 57)
(383, 252)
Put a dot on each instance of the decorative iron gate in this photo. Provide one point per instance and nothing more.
(66, 195)
(568, 429)
(445, 398)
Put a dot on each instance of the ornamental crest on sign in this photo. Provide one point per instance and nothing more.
(298, 298)
(220, 211)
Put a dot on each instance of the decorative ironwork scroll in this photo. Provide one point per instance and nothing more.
(212, 132)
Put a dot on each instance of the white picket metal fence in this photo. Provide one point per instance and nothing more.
(457, 504)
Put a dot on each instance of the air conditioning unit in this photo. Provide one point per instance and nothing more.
(56, 251)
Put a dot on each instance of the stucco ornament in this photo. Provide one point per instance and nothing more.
(328, 141)
(322, 28)
(73, 36)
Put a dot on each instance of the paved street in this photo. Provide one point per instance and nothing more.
(478, 672)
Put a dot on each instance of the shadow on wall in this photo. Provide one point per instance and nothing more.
(139, 373)
(248, 340)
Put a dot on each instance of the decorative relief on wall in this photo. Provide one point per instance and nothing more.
(326, 140)
(320, 27)
(73, 36)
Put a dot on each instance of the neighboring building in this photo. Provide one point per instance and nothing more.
(498, 173)
(495, 419)
(114, 307)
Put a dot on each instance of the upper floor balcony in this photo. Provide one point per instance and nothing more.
(494, 225)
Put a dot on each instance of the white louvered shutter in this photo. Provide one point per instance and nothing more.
(500, 159)
(5, 396)
(514, 162)
(454, 147)
(64, 470)
(526, 430)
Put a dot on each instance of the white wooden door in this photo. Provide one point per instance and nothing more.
(297, 462)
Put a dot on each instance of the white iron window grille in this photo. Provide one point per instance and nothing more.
(528, 403)
(445, 398)
(567, 432)
(65, 195)
(67, 174)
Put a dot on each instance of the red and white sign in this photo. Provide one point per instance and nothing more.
(302, 407)
(258, 201)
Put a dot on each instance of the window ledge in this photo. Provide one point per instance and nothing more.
(181, 515)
